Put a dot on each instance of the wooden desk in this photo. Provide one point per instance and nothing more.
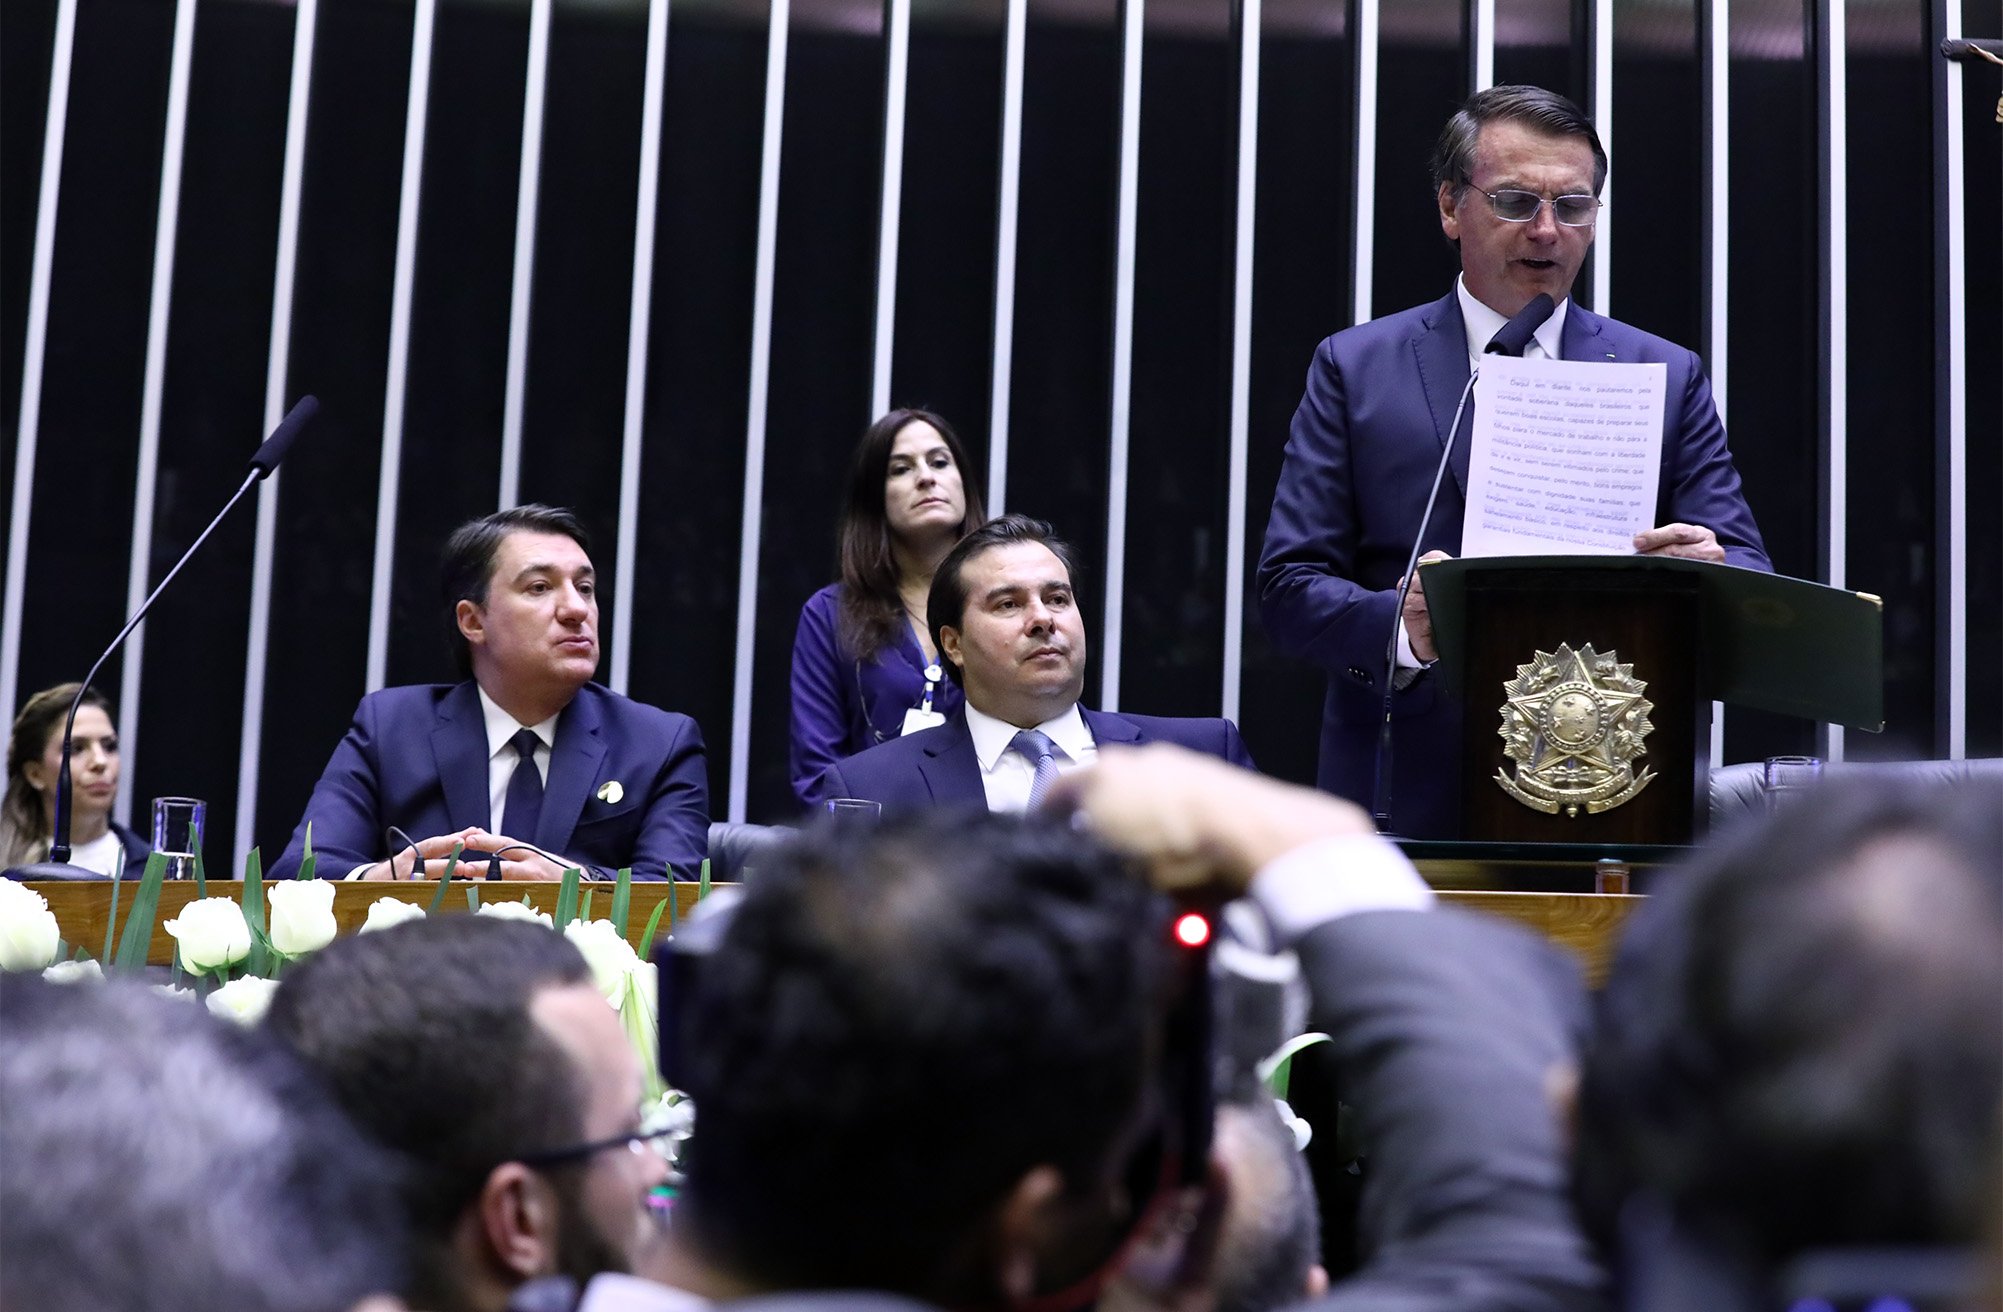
(1587, 924)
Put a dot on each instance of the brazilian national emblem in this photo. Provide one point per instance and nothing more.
(1574, 722)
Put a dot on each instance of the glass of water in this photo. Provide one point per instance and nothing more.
(1787, 776)
(178, 826)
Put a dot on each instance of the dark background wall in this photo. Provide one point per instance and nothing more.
(684, 577)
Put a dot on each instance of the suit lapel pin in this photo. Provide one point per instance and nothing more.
(610, 792)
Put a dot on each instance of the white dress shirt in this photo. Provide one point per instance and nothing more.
(1482, 324)
(104, 854)
(1007, 775)
(502, 759)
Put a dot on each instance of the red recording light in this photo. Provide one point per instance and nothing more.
(1192, 929)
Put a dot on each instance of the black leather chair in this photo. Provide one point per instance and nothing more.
(734, 848)
(1740, 790)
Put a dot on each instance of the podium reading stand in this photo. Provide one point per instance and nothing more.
(1586, 684)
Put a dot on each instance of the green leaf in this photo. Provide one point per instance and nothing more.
(111, 916)
(307, 861)
(622, 899)
(1278, 1068)
(138, 936)
(472, 897)
(438, 894)
(201, 872)
(585, 912)
(80, 954)
(654, 923)
(702, 881)
(259, 959)
(566, 900)
(672, 904)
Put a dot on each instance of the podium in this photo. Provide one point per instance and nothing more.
(1586, 683)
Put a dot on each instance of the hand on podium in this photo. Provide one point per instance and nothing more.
(1690, 541)
(1418, 620)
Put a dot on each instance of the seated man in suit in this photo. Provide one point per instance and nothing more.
(527, 761)
(1005, 616)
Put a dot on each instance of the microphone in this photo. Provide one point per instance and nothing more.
(268, 455)
(1511, 340)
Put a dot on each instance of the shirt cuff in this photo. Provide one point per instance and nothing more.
(1407, 659)
(356, 873)
(1334, 877)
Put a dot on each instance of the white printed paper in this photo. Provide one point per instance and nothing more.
(1563, 458)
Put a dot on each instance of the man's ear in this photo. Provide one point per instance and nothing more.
(1450, 221)
(949, 645)
(472, 621)
(516, 1213)
(1023, 1226)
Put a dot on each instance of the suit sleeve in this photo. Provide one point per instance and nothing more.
(1446, 1027)
(344, 811)
(674, 837)
(1307, 597)
(1701, 485)
(820, 704)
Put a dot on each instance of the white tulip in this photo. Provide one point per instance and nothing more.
(387, 911)
(28, 930)
(607, 952)
(302, 915)
(212, 933)
(75, 972)
(517, 911)
(243, 1000)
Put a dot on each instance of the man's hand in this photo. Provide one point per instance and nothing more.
(1690, 541)
(1195, 821)
(1418, 620)
(518, 859)
(433, 853)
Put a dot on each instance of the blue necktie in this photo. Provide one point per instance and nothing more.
(1041, 753)
(524, 801)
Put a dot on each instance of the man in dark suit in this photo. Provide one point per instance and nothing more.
(1517, 174)
(527, 760)
(1004, 615)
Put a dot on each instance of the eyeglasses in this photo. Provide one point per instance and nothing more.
(639, 1143)
(1513, 206)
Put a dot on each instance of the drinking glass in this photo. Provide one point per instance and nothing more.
(173, 817)
(853, 810)
(1787, 776)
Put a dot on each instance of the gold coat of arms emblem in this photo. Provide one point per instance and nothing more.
(1573, 724)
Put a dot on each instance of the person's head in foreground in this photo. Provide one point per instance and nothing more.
(154, 1157)
(925, 1056)
(1517, 174)
(480, 1050)
(1004, 614)
(1801, 1046)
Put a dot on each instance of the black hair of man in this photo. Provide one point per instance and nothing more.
(902, 1022)
(155, 1157)
(424, 1033)
(947, 602)
(1801, 1044)
(467, 562)
(1272, 1231)
(1546, 111)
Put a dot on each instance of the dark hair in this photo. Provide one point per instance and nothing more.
(157, 1157)
(24, 826)
(1546, 111)
(871, 610)
(467, 562)
(1272, 1234)
(1801, 1045)
(947, 602)
(902, 1021)
(423, 1032)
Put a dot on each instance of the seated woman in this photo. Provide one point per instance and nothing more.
(864, 670)
(28, 812)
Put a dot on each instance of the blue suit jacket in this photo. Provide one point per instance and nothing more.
(417, 758)
(938, 767)
(1359, 462)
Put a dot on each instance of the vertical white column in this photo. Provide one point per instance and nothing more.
(1952, 627)
(528, 186)
(277, 364)
(166, 224)
(34, 351)
(1481, 43)
(1009, 206)
(1132, 20)
(1602, 30)
(1716, 60)
(897, 39)
(761, 377)
(639, 324)
(1363, 244)
(1246, 208)
(397, 380)
(1836, 323)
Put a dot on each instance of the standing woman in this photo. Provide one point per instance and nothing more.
(864, 670)
(34, 755)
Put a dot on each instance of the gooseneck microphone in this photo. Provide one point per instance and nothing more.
(268, 455)
(1513, 337)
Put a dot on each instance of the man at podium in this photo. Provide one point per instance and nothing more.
(1517, 175)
